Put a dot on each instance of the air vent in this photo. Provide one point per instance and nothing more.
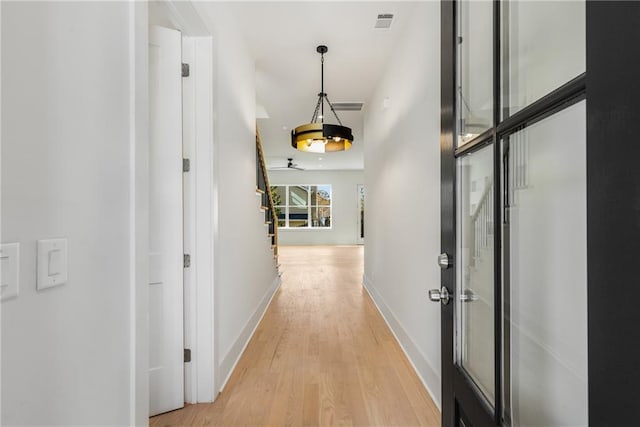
(384, 20)
(347, 106)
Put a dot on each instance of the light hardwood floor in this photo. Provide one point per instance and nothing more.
(322, 355)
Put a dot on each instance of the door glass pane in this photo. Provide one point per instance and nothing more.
(475, 76)
(475, 308)
(546, 272)
(543, 48)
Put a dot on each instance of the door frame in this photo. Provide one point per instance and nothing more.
(613, 209)
(199, 233)
(200, 193)
(203, 379)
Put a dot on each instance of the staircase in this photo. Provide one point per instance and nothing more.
(263, 191)
(482, 225)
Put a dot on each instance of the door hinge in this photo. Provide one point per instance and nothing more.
(186, 165)
(185, 70)
(186, 261)
(187, 355)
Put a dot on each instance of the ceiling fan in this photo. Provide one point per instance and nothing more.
(290, 165)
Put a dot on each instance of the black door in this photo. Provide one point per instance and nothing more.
(536, 96)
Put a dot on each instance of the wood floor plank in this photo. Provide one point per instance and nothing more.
(321, 356)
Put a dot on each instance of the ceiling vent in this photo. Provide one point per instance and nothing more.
(384, 20)
(347, 106)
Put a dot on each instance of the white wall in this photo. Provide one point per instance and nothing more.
(66, 172)
(245, 272)
(402, 179)
(344, 209)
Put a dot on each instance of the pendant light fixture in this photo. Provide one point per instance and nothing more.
(317, 136)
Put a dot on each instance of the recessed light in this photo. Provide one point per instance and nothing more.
(319, 158)
(320, 165)
(284, 127)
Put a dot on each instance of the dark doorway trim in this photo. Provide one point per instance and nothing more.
(613, 211)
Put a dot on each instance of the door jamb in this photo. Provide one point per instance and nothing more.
(201, 381)
(199, 214)
(200, 234)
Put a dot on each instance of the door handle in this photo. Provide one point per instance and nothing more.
(439, 295)
(443, 261)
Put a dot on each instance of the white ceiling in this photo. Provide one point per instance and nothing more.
(282, 37)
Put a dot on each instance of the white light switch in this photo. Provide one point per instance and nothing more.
(52, 263)
(9, 270)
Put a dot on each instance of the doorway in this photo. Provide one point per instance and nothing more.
(514, 186)
(182, 324)
(535, 182)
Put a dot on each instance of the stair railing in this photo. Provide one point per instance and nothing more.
(262, 185)
(482, 222)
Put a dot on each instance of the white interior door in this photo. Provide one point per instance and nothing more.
(166, 343)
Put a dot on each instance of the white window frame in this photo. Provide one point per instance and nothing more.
(287, 205)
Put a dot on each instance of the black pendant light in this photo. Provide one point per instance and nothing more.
(318, 137)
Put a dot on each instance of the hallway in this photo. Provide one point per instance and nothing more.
(322, 355)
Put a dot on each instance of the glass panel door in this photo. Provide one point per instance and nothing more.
(475, 278)
(518, 282)
(546, 279)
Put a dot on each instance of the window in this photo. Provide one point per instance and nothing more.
(302, 206)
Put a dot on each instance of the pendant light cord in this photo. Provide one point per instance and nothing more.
(321, 98)
(322, 95)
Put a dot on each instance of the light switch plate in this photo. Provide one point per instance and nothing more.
(53, 266)
(9, 270)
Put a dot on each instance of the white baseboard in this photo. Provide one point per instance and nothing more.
(427, 374)
(232, 357)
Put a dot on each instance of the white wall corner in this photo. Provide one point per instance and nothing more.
(139, 212)
(427, 373)
(231, 359)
